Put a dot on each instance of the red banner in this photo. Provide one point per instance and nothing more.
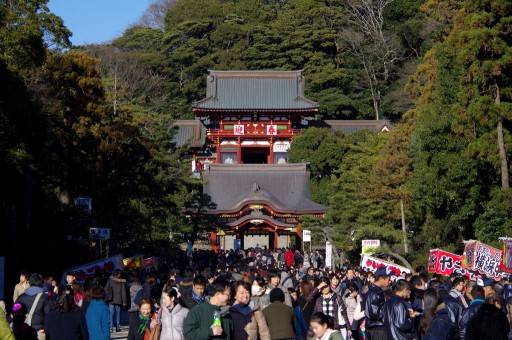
(483, 259)
(445, 263)
(372, 263)
(506, 257)
(95, 269)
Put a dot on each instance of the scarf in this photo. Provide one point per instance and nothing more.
(244, 310)
(328, 306)
(144, 324)
(197, 298)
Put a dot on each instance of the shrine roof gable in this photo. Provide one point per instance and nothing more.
(255, 91)
(284, 187)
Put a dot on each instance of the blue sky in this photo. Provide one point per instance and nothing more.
(97, 21)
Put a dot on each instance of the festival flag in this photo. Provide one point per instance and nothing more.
(506, 256)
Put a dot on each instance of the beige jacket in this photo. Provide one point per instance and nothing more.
(19, 289)
(251, 326)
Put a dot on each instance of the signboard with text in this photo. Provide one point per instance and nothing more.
(372, 263)
(238, 129)
(482, 259)
(369, 246)
(445, 263)
(306, 235)
(271, 129)
(95, 269)
(99, 233)
(328, 254)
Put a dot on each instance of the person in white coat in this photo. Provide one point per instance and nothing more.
(172, 315)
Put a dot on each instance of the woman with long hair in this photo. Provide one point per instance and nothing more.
(305, 288)
(435, 324)
(172, 314)
(98, 314)
(323, 327)
(140, 323)
(66, 320)
(248, 320)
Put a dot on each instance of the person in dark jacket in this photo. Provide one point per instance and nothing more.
(142, 322)
(453, 306)
(66, 320)
(489, 323)
(436, 324)
(116, 297)
(478, 300)
(280, 318)
(199, 323)
(397, 317)
(373, 303)
(194, 295)
(43, 306)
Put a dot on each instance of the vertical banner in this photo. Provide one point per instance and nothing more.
(482, 259)
(328, 254)
(506, 256)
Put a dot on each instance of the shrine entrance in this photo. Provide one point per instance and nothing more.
(255, 155)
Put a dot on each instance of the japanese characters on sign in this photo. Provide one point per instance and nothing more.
(506, 256)
(328, 254)
(99, 233)
(372, 263)
(483, 259)
(369, 247)
(445, 263)
(239, 129)
(272, 129)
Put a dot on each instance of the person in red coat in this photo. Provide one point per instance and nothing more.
(288, 258)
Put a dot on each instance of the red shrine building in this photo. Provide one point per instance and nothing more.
(241, 135)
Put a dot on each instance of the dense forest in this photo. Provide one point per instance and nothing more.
(95, 121)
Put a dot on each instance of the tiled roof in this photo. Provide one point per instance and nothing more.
(192, 132)
(255, 91)
(351, 126)
(284, 187)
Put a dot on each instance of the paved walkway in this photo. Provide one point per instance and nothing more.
(123, 334)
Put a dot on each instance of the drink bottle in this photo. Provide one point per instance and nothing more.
(216, 318)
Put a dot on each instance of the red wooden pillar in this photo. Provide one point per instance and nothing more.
(213, 241)
(239, 152)
(271, 153)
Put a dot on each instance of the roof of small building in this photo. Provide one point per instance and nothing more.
(284, 187)
(191, 131)
(351, 126)
(255, 91)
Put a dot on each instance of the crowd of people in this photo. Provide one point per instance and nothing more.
(255, 295)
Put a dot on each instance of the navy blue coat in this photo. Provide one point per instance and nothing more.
(442, 327)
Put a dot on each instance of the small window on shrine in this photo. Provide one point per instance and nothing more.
(228, 157)
(280, 157)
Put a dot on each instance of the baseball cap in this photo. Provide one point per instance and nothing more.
(384, 271)
(485, 281)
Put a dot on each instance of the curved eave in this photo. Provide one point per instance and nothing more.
(255, 110)
(275, 207)
(248, 218)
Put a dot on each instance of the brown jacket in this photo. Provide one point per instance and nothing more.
(281, 320)
(251, 326)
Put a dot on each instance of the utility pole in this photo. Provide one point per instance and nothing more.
(406, 248)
